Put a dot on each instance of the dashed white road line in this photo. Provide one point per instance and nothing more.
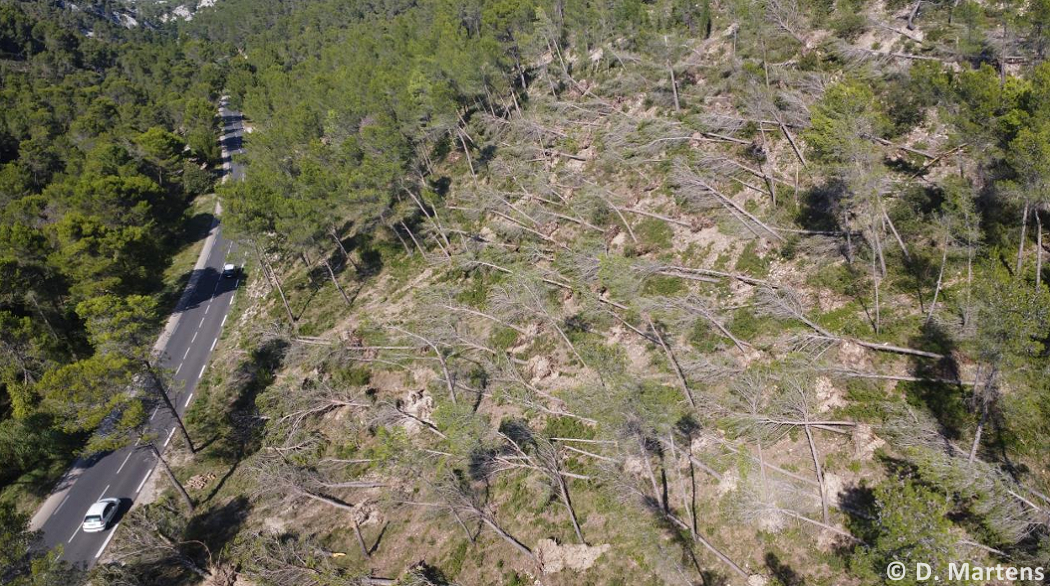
(128, 457)
(193, 339)
(171, 433)
(202, 371)
(178, 369)
(103, 492)
(224, 320)
(144, 479)
(70, 540)
(68, 494)
(187, 353)
(213, 342)
(155, 409)
(112, 532)
(200, 324)
(188, 400)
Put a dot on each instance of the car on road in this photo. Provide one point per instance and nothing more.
(100, 514)
(230, 271)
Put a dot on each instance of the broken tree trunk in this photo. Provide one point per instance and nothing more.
(911, 15)
(564, 490)
(1020, 247)
(940, 278)
(674, 363)
(361, 539)
(331, 275)
(171, 476)
(270, 274)
(441, 360)
(507, 536)
(820, 474)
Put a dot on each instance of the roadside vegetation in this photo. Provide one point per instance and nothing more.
(105, 140)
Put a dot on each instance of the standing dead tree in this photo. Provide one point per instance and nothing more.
(158, 381)
(797, 409)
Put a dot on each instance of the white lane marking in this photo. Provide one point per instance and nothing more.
(191, 341)
(70, 540)
(178, 369)
(200, 324)
(124, 462)
(155, 409)
(61, 503)
(213, 342)
(202, 371)
(223, 320)
(187, 353)
(112, 532)
(228, 251)
(188, 400)
(206, 309)
(144, 479)
(103, 492)
(169, 437)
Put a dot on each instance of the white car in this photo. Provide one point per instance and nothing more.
(229, 270)
(100, 514)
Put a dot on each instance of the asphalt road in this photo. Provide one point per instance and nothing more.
(185, 352)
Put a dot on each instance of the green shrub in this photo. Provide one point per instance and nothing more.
(750, 263)
(352, 377)
(747, 325)
(503, 337)
(661, 285)
(654, 234)
(704, 337)
(910, 524)
(849, 24)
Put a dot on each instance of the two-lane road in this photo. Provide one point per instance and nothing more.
(185, 352)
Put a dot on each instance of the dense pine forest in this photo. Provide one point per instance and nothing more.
(537, 292)
(106, 136)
